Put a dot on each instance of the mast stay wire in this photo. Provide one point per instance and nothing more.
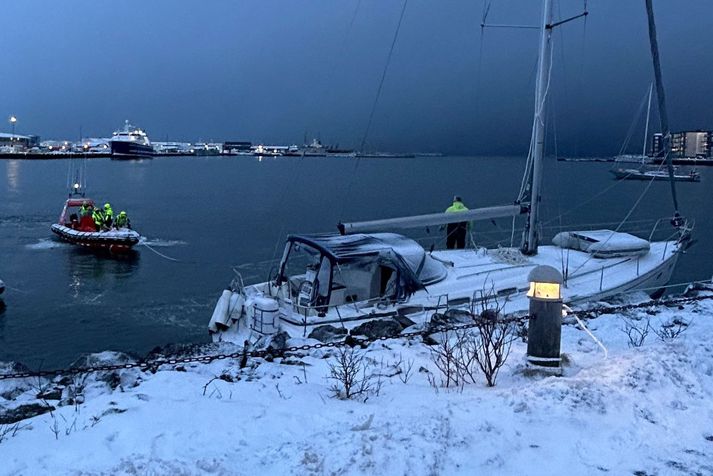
(478, 78)
(373, 108)
(478, 74)
(580, 75)
(330, 76)
(623, 221)
(383, 76)
(538, 117)
(634, 123)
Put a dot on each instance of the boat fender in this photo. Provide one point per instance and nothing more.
(220, 313)
(235, 310)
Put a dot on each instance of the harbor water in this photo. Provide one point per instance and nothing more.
(214, 216)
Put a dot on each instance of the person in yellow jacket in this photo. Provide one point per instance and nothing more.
(456, 232)
(122, 220)
(98, 218)
(108, 215)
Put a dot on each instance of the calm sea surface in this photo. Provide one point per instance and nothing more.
(215, 213)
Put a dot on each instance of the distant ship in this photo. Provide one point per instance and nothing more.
(130, 142)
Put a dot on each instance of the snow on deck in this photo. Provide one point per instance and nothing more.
(643, 410)
(589, 278)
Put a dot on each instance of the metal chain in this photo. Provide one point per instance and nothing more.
(154, 364)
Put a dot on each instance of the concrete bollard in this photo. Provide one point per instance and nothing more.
(544, 333)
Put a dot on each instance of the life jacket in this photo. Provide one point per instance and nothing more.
(121, 220)
(457, 207)
(98, 217)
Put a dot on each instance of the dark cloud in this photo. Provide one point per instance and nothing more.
(277, 71)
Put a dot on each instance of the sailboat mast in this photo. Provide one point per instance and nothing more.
(663, 114)
(648, 114)
(530, 237)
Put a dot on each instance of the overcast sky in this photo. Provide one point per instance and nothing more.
(278, 70)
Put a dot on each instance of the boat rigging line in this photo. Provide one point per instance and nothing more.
(635, 120)
(631, 210)
(383, 76)
(373, 106)
(77, 176)
(478, 85)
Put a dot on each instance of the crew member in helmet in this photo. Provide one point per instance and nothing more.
(122, 220)
(98, 217)
(108, 215)
(85, 209)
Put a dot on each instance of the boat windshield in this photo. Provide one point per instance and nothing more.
(298, 258)
(330, 270)
(308, 273)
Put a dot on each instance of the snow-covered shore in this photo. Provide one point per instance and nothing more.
(643, 410)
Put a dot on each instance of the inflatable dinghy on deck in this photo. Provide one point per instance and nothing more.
(602, 243)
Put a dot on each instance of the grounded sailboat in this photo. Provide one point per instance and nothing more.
(364, 273)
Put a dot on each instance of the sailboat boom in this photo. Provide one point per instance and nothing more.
(433, 219)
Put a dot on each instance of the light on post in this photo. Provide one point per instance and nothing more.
(545, 284)
(544, 331)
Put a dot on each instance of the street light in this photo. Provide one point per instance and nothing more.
(13, 120)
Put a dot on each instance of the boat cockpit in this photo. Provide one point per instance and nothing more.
(322, 271)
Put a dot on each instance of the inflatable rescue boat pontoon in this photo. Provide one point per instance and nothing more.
(80, 230)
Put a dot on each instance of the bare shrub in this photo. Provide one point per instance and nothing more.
(445, 357)
(494, 336)
(671, 329)
(637, 330)
(351, 375)
(54, 428)
(485, 349)
(404, 368)
(491, 343)
(9, 430)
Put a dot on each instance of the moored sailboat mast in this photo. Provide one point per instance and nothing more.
(663, 113)
(530, 235)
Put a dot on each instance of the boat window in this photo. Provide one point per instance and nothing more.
(358, 279)
(299, 261)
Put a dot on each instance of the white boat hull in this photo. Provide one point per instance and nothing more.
(478, 279)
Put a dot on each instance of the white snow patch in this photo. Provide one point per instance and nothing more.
(643, 410)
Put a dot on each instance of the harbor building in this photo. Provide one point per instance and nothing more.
(685, 144)
(237, 147)
(18, 141)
